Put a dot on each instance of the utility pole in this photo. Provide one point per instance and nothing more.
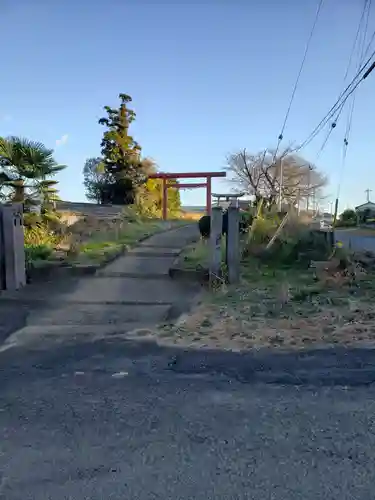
(281, 184)
(308, 188)
(368, 191)
(314, 200)
(298, 200)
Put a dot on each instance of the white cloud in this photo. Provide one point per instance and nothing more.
(63, 140)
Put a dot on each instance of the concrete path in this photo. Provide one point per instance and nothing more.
(133, 292)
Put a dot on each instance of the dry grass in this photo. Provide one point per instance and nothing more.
(282, 308)
(191, 215)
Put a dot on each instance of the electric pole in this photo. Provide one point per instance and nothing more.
(308, 188)
(368, 191)
(281, 184)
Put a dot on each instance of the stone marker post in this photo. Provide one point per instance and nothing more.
(215, 242)
(13, 245)
(2, 255)
(233, 245)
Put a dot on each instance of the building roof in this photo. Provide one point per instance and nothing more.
(368, 204)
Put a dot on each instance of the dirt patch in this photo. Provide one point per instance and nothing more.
(282, 309)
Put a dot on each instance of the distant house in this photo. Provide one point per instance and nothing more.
(369, 205)
(366, 211)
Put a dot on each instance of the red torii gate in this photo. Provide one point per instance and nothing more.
(164, 176)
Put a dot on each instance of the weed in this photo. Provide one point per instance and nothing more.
(37, 252)
(40, 235)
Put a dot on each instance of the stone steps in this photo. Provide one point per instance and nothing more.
(134, 291)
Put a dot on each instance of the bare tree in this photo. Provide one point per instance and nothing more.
(286, 176)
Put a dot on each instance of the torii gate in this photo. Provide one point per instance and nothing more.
(187, 175)
(228, 197)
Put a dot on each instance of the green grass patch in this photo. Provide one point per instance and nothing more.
(103, 246)
(37, 252)
(197, 255)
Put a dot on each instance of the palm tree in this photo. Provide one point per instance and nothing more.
(26, 168)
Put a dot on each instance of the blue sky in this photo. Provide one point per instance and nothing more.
(207, 78)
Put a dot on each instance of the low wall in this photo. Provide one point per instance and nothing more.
(71, 212)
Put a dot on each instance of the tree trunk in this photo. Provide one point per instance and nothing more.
(19, 192)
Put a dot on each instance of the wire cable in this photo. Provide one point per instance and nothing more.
(367, 3)
(280, 138)
(361, 58)
(340, 101)
(351, 110)
(337, 104)
(331, 129)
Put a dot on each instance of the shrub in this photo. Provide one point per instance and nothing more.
(204, 225)
(31, 219)
(264, 230)
(348, 215)
(346, 223)
(289, 249)
(40, 235)
(37, 252)
(247, 218)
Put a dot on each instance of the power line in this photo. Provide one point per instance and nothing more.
(349, 122)
(340, 101)
(356, 38)
(367, 3)
(361, 50)
(338, 104)
(331, 129)
(280, 138)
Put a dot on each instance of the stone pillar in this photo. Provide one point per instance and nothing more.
(2, 253)
(13, 245)
(215, 241)
(233, 245)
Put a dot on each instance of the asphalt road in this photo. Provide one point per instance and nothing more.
(355, 241)
(92, 422)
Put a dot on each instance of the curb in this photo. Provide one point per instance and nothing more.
(179, 310)
(314, 368)
(322, 367)
(191, 275)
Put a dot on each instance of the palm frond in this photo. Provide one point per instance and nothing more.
(45, 183)
(29, 159)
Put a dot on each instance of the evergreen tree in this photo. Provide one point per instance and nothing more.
(121, 154)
